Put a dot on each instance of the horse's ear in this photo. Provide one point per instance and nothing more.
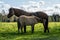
(12, 10)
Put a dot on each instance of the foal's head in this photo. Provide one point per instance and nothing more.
(11, 12)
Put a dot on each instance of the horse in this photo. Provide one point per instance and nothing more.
(40, 14)
(24, 20)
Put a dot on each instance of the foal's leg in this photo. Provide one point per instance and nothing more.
(21, 29)
(18, 29)
(24, 28)
(32, 27)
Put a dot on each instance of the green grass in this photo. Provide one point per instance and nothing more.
(8, 31)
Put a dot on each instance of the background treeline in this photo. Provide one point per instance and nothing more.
(3, 18)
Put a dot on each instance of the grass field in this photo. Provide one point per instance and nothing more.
(8, 31)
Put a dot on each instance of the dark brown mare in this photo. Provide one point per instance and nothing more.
(18, 12)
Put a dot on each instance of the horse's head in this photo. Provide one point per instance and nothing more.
(11, 12)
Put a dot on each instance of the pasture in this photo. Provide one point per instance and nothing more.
(8, 31)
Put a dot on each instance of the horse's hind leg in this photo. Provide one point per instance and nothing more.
(44, 24)
(32, 27)
(47, 26)
(44, 29)
(24, 28)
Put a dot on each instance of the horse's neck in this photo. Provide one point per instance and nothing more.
(21, 12)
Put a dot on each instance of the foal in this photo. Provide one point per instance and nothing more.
(27, 20)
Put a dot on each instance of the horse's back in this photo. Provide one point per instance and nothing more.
(41, 14)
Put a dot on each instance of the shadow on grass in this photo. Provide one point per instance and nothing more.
(37, 35)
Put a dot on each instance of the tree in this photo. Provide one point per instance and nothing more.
(56, 17)
(0, 17)
(3, 16)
